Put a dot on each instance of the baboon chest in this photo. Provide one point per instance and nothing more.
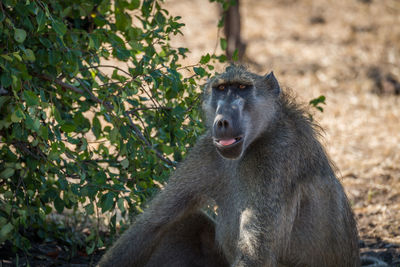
(236, 215)
(227, 229)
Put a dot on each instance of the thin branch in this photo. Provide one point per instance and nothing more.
(114, 83)
(148, 144)
(217, 42)
(76, 89)
(148, 108)
(109, 109)
(23, 147)
(194, 103)
(108, 105)
(188, 67)
(150, 95)
(109, 66)
(60, 83)
(145, 131)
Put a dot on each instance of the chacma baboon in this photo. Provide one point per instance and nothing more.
(279, 201)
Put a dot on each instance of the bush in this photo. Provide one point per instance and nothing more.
(82, 134)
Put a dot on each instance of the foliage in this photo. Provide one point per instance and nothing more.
(81, 134)
(317, 102)
(78, 133)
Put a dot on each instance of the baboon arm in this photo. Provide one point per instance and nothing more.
(261, 229)
(135, 246)
(253, 248)
(184, 194)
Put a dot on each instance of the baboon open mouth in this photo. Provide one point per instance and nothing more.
(228, 142)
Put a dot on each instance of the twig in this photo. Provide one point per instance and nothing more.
(60, 83)
(76, 89)
(147, 108)
(109, 106)
(109, 66)
(148, 144)
(109, 109)
(217, 42)
(188, 67)
(193, 103)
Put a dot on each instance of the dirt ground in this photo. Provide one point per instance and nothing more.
(347, 50)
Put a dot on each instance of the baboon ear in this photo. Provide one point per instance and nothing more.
(272, 83)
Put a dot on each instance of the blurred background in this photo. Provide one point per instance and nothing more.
(346, 50)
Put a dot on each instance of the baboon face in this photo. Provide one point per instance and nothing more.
(239, 106)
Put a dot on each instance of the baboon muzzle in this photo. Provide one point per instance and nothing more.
(228, 137)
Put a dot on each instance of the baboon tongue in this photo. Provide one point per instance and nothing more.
(227, 142)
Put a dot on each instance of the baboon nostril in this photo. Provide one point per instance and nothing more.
(223, 124)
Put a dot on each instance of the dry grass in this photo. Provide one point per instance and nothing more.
(330, 58)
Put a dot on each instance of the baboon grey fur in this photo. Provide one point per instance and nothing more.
(260, 161)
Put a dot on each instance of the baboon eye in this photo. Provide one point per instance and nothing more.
(221, 87)
(242, 86)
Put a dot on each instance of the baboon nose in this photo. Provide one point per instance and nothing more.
(222, 123)
(222, 126)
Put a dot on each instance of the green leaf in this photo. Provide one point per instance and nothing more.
(125, 163)
(32, 123)
(108, 202)
(89, 208)
(122, 21)
(90, 248)
(7, 173)
(114, 134)
(7, 57)
(200, 71)
(5, 80)
(17, 56)
(121, 205)
(19, 35)
(59, 27)
(29, 55)
(17, 116)
(44, 132)
(223, 44)
(205, 59)
(134, 4)
(317, 101)
(101, 178)
(59, 204)
(168, 150)
(3, 100)
(122, 54)
(68, 127)
(5, 231)
(31, 98)
(40, 19)
(16, 83)
(96, 127)
(57, 115)
(160, 19)
(147, 6)
(235, 56)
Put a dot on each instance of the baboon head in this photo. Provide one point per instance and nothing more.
(239, 106)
